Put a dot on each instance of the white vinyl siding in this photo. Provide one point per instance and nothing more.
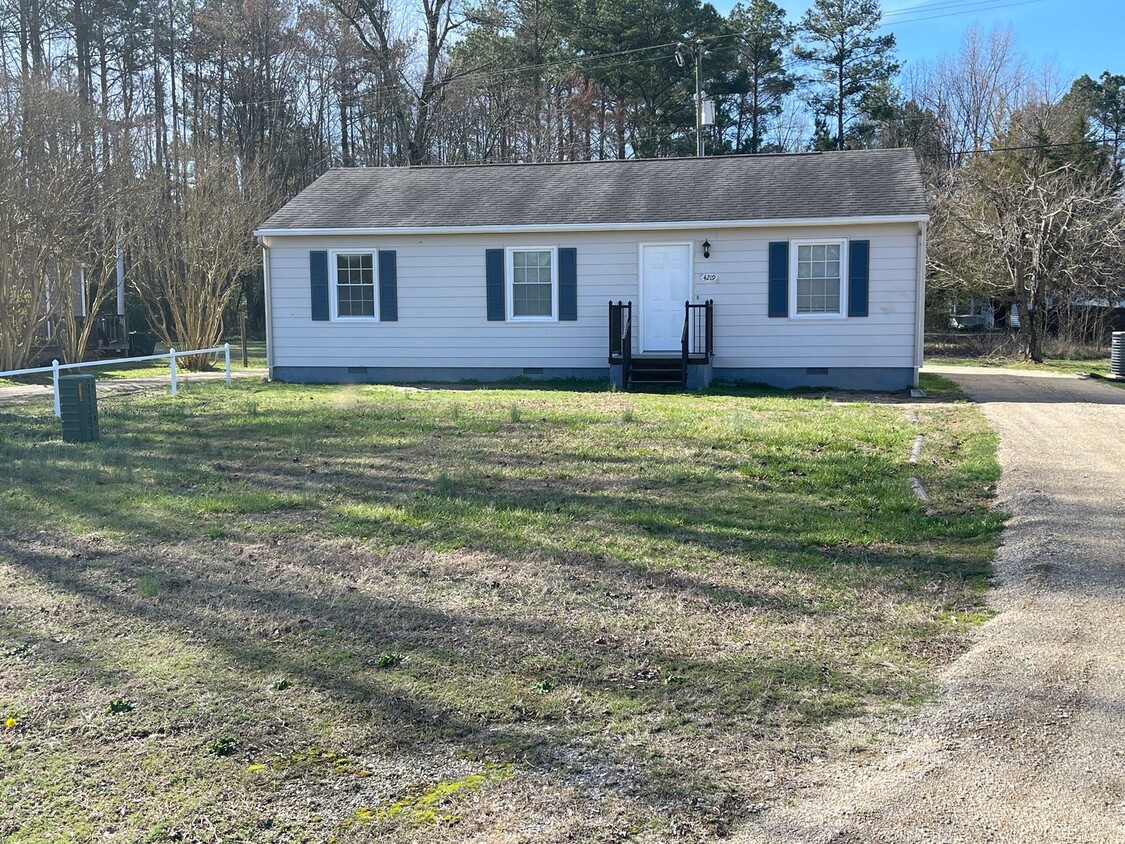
(443, 318)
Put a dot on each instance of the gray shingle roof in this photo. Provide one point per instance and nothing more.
(671, 190)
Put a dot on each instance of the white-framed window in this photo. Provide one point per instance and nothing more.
(353, 279)
(818, 283)
(533, 289)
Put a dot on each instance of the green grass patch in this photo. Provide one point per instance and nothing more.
(939, 387)
(647, 597)
(1089, 365)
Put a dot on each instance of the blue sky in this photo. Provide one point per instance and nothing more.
(1078, 36)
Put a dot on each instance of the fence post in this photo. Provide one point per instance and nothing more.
(226, 354)
(55, 378)
(172, 368)
(242, 330)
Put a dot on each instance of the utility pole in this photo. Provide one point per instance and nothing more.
(699, 100)
(697, 53)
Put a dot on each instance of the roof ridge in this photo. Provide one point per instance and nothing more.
(613, 161)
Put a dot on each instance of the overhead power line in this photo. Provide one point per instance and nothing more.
(1027, 148)
(918, 13)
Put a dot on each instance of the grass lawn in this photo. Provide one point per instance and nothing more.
(939, 387)
(1096, 366)
(279, 613)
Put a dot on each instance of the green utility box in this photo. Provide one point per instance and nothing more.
(78, 402)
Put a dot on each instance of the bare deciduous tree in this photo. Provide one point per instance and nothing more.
(50, 209)
(1028, 233)
(195, 241)
(423, 83)
(975, 92)
(92, 251)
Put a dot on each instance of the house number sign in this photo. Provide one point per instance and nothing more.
(709, 277)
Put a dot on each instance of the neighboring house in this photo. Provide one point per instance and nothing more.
(789, 270)
(983, 314)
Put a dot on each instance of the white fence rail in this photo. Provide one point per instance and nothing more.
(55, 368)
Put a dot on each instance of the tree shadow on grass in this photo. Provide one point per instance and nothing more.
(709, 697)
(547, 517)
(848, 507)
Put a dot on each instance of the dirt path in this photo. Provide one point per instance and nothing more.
(1026, 741)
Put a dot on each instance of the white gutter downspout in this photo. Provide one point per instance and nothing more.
(920, 315)
(269, 305)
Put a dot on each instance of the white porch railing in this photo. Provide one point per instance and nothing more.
(55, 368)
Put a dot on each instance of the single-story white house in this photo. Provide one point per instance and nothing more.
(791, 270)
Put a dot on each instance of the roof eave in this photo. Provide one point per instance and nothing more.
(585, 227)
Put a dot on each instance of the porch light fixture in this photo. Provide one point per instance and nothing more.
(706, 249)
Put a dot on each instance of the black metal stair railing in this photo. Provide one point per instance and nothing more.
(621, 337)
(697, 342)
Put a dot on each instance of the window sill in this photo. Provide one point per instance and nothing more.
(818, 316)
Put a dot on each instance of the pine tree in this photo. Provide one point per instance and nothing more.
(1104, 103)
(765, 35)
(654, 112)
(839, 41)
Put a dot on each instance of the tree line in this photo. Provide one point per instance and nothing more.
(297, 86)
(134, 130)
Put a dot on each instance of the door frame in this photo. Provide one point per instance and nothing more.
(641, 282)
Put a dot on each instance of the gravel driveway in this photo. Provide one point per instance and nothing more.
(1026, 740)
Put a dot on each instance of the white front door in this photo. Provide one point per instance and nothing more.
(665, 286)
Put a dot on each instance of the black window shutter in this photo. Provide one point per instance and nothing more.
(779, 279)
(568, 284)
(494, 283)
(859, 260)
(318, 284)
(388, 285)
